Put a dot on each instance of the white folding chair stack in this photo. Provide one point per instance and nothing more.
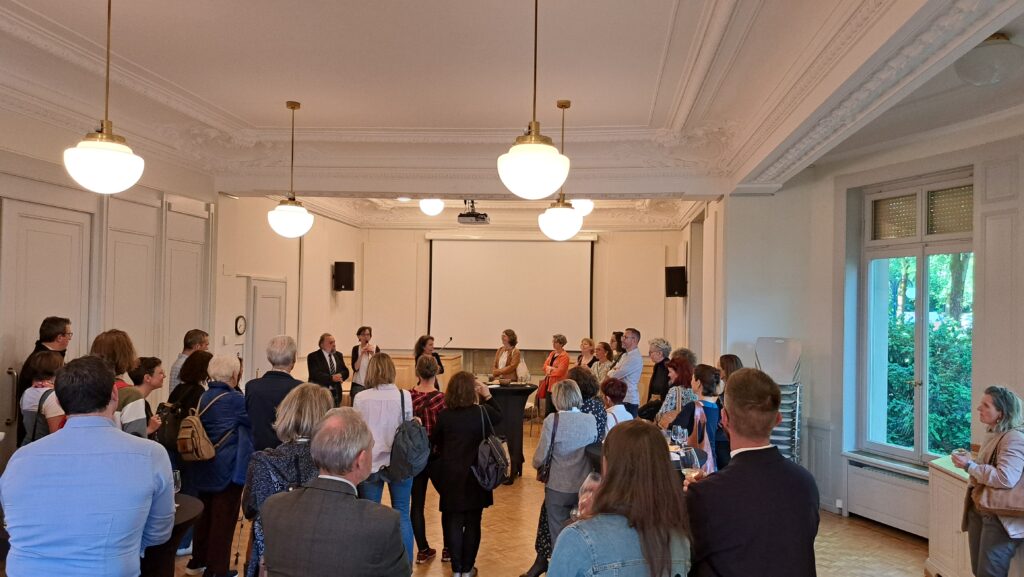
(779, 357)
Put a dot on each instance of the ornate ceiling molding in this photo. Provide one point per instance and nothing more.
(866, 14)
(951, 28)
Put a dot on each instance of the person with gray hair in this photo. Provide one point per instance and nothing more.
(311, 530)
(220, 479)
(561, 448)
(264, 394)
(657, 387)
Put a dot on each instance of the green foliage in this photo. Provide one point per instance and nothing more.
(949, 345)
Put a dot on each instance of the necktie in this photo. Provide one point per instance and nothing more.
(330, 362)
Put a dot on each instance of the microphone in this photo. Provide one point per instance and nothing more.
(448, 343)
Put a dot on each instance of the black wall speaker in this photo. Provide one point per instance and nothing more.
(344, 276)
(675, 281)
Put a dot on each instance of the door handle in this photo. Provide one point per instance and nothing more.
(14, 397)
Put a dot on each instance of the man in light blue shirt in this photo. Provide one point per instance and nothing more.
(86, 500)
(628, 370)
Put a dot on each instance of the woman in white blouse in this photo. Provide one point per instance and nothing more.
(507, 358)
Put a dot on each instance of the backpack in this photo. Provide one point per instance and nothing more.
(492, 462)
(192, 442)
(39, 430)
(409, 451)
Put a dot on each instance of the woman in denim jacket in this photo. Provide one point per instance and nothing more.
(632, 529)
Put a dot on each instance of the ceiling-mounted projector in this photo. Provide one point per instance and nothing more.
(471, 216)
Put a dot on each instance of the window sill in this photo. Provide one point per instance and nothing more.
(888, 463)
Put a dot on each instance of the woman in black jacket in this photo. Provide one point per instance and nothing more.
(457, 435)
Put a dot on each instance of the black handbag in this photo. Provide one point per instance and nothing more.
(545, 470)
(492, 462)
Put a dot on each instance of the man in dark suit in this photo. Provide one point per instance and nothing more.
(759, 515)
(326, 366)
(54, 335)
(263, 395)
(323, 528)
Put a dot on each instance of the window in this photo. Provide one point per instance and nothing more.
(918, 296)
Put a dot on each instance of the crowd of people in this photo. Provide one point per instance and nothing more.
(310, 473)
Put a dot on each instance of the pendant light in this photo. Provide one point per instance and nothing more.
(533, 169)
(583, 205)
(432, 206)
(102, 162)
(991, 62)
(290, 219)
(561, 221)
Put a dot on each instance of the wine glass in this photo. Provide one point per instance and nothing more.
(678, 435)
(690, 463)
(177, 480)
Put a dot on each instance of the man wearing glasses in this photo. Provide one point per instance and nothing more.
(54, 335)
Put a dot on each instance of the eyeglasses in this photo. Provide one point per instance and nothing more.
(69, 335)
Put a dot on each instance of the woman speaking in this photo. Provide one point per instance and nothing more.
(993, 539)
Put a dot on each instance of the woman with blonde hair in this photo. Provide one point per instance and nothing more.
(289, 465)
(384, 406)
(993, 539)
(586, 357)
(639, 529)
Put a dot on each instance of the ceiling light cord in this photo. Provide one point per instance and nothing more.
(536, 16)
(106, 96)
(291, 174)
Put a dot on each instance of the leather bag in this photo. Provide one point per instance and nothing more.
(996, 501)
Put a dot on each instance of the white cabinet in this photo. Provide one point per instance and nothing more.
(948, 554)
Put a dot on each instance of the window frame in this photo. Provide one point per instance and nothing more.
(921, 246)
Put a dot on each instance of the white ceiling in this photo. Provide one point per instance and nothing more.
(671, 98)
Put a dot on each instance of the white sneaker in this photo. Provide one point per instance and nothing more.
(184, 552)
(195, 571)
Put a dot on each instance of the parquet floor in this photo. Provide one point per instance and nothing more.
(845, 547)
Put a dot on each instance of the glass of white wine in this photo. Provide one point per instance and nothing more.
(690, 463)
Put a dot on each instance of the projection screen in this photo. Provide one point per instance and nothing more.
(478, 288)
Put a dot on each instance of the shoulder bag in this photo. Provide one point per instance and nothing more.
(545, 470)
(492, 462)
(410, 449)
(996, 501)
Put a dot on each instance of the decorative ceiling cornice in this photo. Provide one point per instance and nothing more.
(866, 14)
(943, 34)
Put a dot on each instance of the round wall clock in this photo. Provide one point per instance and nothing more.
(240, 325)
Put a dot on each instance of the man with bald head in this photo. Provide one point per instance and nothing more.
(323, 528)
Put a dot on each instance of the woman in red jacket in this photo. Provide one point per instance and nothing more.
(556, 367)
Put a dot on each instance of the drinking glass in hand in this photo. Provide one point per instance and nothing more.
(690, 463)
(177, 480)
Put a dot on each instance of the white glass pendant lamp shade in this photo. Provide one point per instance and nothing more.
(290, 219)
(102, 162)
(583, 206)
(560, 222)
(432, 206)
(991, 62)
(533, 170)
(103, 166)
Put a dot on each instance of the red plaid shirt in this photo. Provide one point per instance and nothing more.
(426, 406)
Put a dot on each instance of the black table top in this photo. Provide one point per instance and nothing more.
(513, 390)
(188, 508)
